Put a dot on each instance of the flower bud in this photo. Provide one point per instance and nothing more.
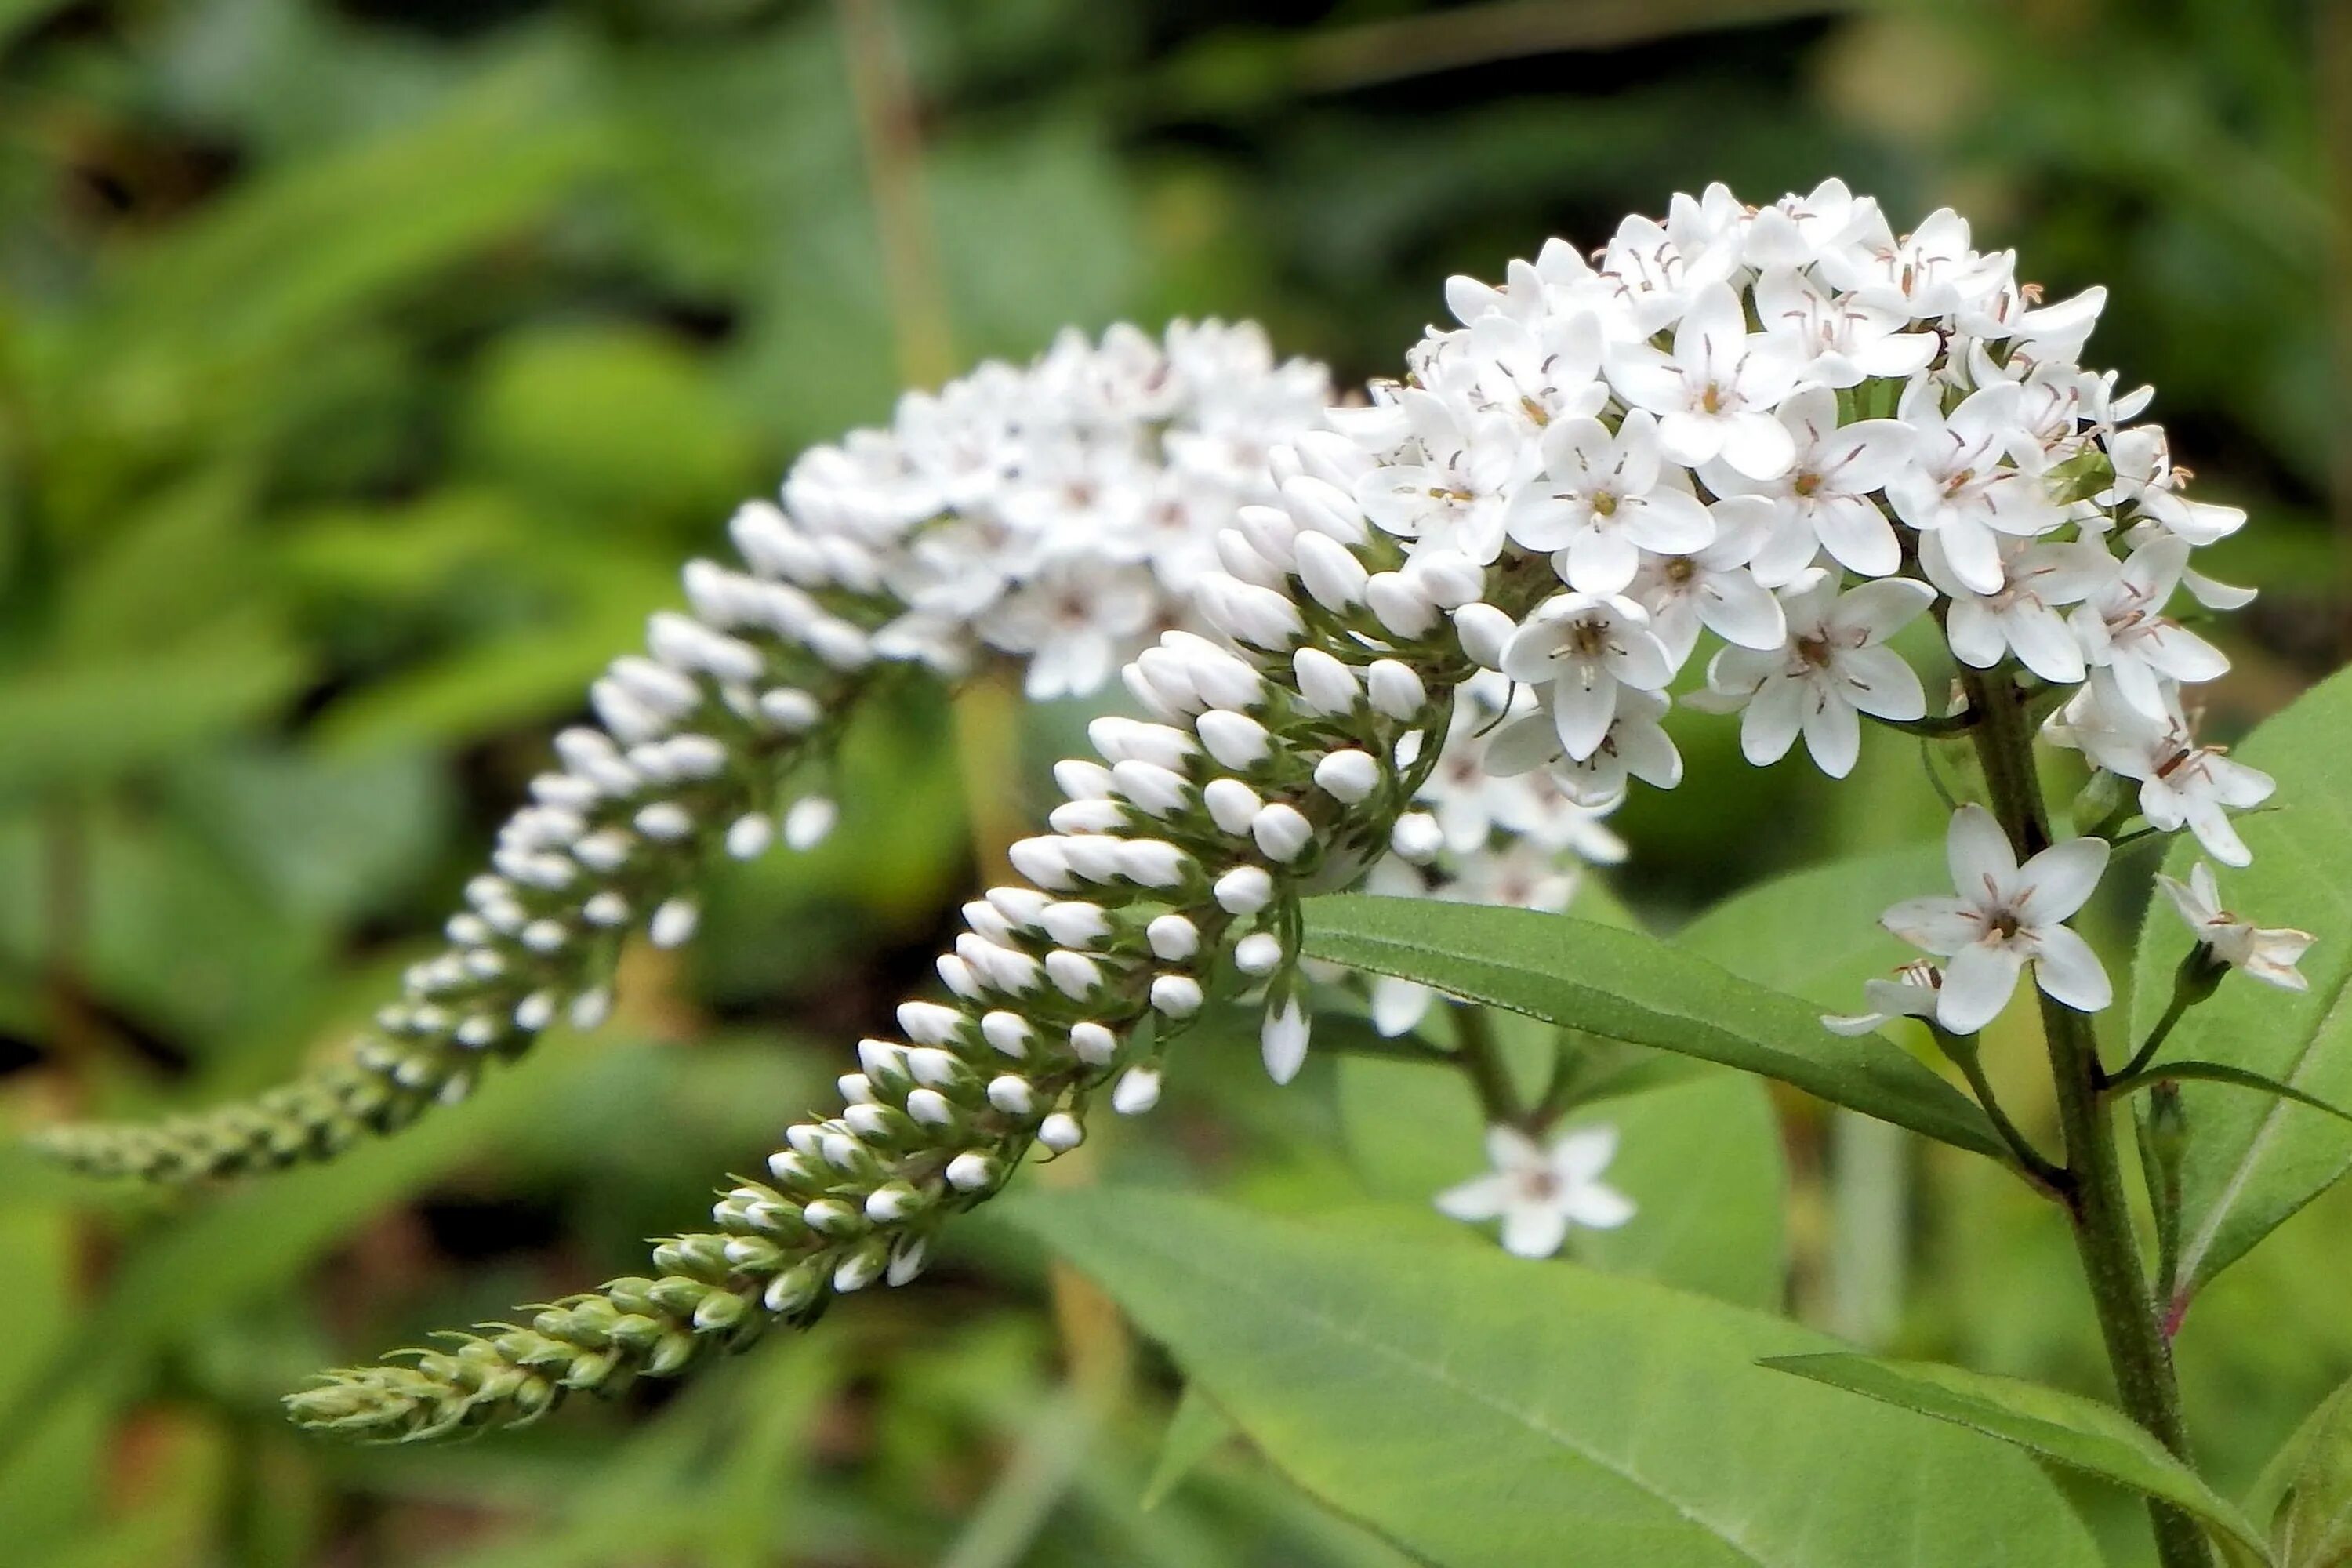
(1235, 739)
(1061, 1133)
(1401, 607)
(1483, 631)
(1232, 803)
(1348, 776)
(972, 1172)
(1173, 937)
(1093, 1043)
(1243, 890)
(809, 821)
(1325, 685)
(1282, 831)
(1284, 1038)
(674, 922)
(1136, 1092)
(1260, 953)
(1417, 837)
(1395, 690)
(1329, 572)
(1007, 1032)
(1010, 1093)
(1176, 996)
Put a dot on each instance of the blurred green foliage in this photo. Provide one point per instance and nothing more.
(367, 369)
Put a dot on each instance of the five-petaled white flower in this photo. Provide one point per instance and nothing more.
(1963, 484)
(1540, 1193)
(2267, 953)
(1600, 504)
(1713, 395)
(2005, 916)
(1823, 501)
(2181, 784)
(2124, 631)
(1584, 651)
(1832, 668)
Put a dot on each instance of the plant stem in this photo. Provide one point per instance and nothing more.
(2181, 1002)
(2093, 1191)
(1481, 1061)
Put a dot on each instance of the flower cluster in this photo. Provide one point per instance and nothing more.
(1786, 427)
(1058, 514)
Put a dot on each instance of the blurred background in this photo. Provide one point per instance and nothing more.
(366, 372)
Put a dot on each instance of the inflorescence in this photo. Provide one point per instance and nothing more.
(1788, 427)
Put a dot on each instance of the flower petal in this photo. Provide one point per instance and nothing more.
(1977, 986)
(1534, 1230)
(2060, 881)
(2066, 969)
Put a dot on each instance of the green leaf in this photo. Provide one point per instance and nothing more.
(2095, 1438)
(1194, 1431)
(2253, 1162)
(1628, 986)
(1479, 1409)
(1814, 933)
(2222, 1072)
(2306, 1491)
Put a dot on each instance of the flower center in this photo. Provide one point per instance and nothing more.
(1814, 649)
(2004, 924)
(1805, 484)
(1710, 401)
(1679, 569)
(1605, 503)
(1588, 639)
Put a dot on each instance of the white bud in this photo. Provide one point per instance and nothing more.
(888, 1206)
(1325, 685)
(1087, 817)
(1123, 739)
(867, 1120)
(1043, 862)
(1223, 678)
(1081, 780)
(544, 935)
(808, 822)
(939, 1068)
(789, 709)
(883, 1059)
(693, 757)
(957, 976)
(1348, 776)
(1250, 613)
(1243, 890)
(1330, 572)
(1247, 565)
(1395, 690)
(930, 1107)
(1151, 862)
(1093, 1044)
(1283, 1039)
(1025, 907)
(1136, 1092)
(1075, 924)
(1417, 837)
(1152, 788)
(1483, 631)
(605, 850)
(1061, 1133)
(1401, 607)
(479, 1030)
(1232, 803)
(591, 1008)
(971, 1173)
(929, 1023)
(673, 924)
(535, 1011)
(856, 1089)
(1448, 578)
(605, 908)
(1073, 975)
(858, 1270)
(749, 835)
(1268, 530)
(1282, 831)
(1177, 995)
(1260, 953)
(1235, 739)
(1172, 938)
(1011, 1094)
(1006, 1032)
(665, 820)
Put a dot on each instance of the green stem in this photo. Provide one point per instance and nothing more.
(2181, 1002)
(1481, 1061)
(2049, 1177)
(2093, 1191)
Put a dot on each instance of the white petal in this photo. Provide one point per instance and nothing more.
(1583, 701)
(1877, 681)
(1584, 1153)
(1758, 445)
(1597, 1205)
(1977, 851)
(1832, 732)
(1399, 1005)
(1534, 1230)
(1939, 923)
(1670, 522)
(2060, 881)
(1480, 1197)
(1738, 609)
(1977, 986)
(1881, 608)
(2066, 968)
(1773, 719)
(1858, 535)
(1602, 561)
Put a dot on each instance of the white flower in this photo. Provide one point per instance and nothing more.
(1601, 504)
(2267, 953)
(1842, 339)
(1825, 501)
(1456, 495)
(1960, 483)
(1912, 993)
(1713, 395)
(2181, 784)
(1538, 1193)
(1584, 651)
(1796, 231)
(1538, 373)
(1076, 622)
(1932, 271)
(2147, 481)
(2036, 578)
(1832, 668)
(2003, 917)
(2124, 631)
(1715, 588)
(1634, 746)
(1651, 279)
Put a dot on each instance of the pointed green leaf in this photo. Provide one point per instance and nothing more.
(2222, 1072)
(1193, 1433)
(2250, 1161)
(1628, 986)
(2095, 1438)
(2306, 1488)
(1479, 1409)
